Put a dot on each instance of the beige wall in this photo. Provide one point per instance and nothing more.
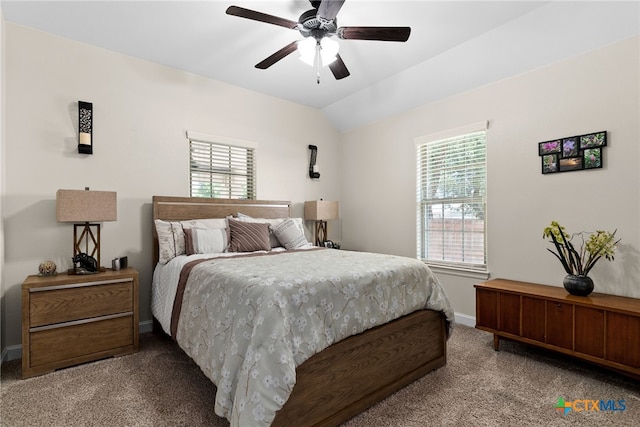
(593, 92)
(141, 113)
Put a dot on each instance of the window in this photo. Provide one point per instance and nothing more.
(221, 168)
(451, 198)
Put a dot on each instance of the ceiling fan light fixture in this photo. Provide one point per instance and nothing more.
(309, 48)
(329, 50)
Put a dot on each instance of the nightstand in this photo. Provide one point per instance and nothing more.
(72, 319)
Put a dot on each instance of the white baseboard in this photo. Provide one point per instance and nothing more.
(145, 326)
(12, 352)
(466, 320)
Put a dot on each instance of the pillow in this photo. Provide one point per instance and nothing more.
(205, 241)
(171, 241)
(248, 236)
(273, 240)
(209, 223)
(188, 242)
(290, 234)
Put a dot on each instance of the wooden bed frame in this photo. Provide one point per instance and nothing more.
(353, 374)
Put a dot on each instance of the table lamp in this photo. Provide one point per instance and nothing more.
(86, 209)
(320, 211)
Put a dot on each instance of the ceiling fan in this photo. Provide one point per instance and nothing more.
(317, 26)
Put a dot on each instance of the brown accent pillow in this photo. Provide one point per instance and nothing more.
(248, 236)
(188, 241)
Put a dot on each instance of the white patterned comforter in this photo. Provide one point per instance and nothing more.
(249, 321)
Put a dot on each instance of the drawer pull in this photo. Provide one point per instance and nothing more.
(80, 322)
(78, 285)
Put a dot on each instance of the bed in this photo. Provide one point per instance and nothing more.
(336, 374)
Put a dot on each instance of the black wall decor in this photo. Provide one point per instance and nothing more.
(313, 168)
(573, 153)
(85, 127)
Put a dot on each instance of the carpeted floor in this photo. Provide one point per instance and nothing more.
(160, 386)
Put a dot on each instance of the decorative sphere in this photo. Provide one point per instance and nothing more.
(47, 268)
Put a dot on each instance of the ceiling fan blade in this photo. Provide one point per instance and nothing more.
(387, 34)
(329, 9)
(268, 62)
(261, 17)
(338, 68)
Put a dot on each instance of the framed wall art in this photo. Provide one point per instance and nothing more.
(572, 153)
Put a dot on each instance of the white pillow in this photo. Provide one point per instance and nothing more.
(171, 241)
(290, 233)
(208, 241)
(171, 238)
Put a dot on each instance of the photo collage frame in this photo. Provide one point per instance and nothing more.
(573, 153)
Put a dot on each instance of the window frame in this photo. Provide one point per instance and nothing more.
(230, 143)
(467, 269)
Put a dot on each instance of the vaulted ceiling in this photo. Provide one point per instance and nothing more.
(454, 45)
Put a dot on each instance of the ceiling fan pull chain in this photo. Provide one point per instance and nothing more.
(318, 61)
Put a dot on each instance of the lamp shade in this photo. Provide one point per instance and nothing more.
(322, 210)
(86, 206)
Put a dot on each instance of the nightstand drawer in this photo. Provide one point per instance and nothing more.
(69, 319)
(63, 303)
(64, 342)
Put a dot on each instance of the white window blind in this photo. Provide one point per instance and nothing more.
(221, 170)
(451, 199)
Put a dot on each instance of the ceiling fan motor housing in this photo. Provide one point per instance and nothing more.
(309, 21)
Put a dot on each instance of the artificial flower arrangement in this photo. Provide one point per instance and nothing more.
(578, 263)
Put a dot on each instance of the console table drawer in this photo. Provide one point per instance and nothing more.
(623, 339)
(559, 324)
(589, 331)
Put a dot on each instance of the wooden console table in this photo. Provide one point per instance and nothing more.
(602, 329)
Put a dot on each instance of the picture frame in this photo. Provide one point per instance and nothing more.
(570, 147)
(570, 164)
(549, 163)
(549, 147)
(592, 158)
(592, 140)
(573, 153)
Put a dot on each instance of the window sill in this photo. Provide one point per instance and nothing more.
(459, 271)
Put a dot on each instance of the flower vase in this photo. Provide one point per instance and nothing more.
(578, 285)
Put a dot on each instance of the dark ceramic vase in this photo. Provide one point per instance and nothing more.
(578, 285)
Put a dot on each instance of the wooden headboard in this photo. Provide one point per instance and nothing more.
(170, 208)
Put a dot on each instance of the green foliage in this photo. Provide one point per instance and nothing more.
(580, 262)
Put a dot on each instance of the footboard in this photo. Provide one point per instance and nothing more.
(348, 377)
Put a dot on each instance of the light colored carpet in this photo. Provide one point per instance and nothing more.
(160, 386)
